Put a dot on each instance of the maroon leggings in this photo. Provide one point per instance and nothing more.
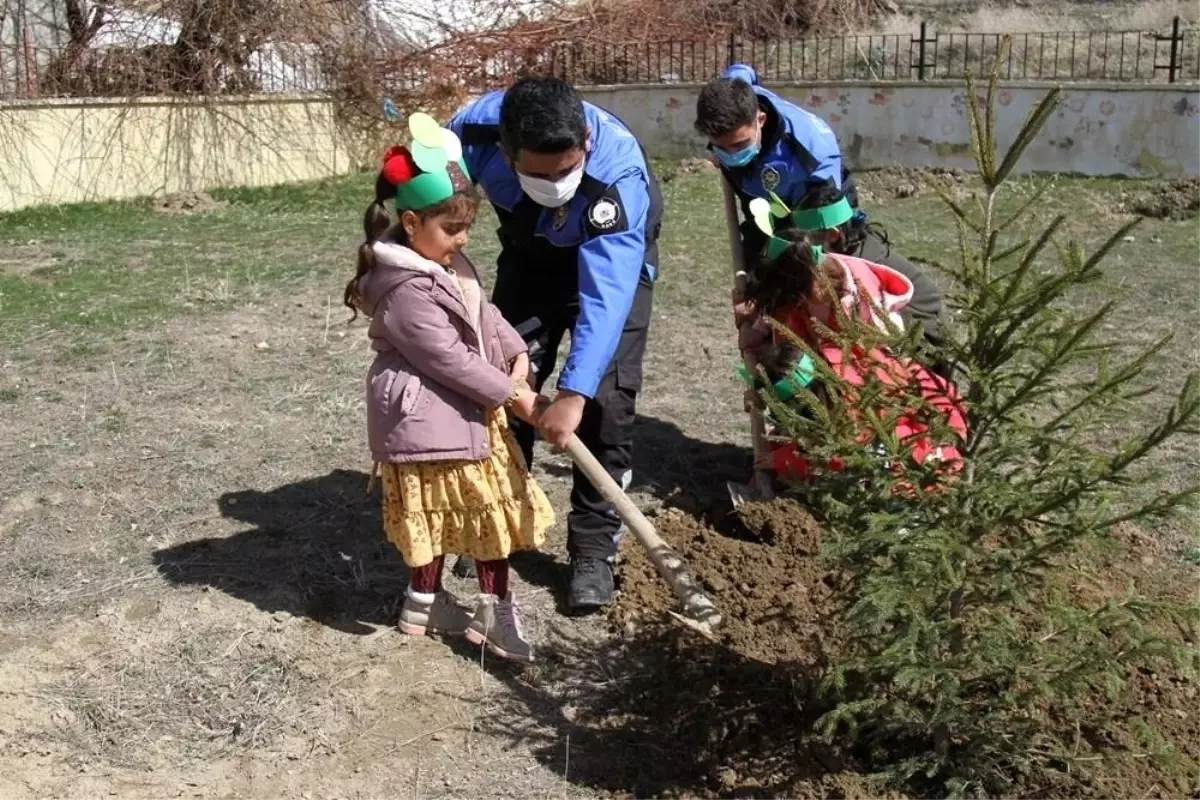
(493, 576)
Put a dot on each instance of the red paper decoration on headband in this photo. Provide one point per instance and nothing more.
(398, 165)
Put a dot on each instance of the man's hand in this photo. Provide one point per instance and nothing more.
(561, 418)
(520, 368)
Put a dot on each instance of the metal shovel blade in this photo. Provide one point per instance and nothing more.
(760, 491)
(740, 493)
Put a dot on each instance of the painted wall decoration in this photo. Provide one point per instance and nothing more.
(1098, 130)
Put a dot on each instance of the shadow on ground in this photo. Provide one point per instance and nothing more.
(659, 715)
(316, 549)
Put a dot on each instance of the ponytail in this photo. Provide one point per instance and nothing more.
(375, 224)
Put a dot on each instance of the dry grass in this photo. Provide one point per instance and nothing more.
(195, 595)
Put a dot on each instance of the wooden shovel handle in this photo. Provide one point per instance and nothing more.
(696, 604)
(758, 428)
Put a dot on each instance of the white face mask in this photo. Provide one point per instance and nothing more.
(552, 194)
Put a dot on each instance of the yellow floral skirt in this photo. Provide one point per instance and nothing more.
(484, 509)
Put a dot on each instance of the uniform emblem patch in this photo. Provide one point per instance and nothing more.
(560, 216)
(604, 214)
(770, 178)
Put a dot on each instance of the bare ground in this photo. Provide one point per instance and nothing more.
(196, 598)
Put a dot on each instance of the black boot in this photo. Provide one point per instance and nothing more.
(591, 584)
(464, 567)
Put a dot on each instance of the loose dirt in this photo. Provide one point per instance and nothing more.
(1174, 200)
(770, 585)
(186, 203)
(737, 719)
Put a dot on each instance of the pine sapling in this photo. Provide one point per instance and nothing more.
(969, 662)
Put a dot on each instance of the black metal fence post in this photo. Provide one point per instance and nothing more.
(1173, 66)
(921, 44)
(1176, 39)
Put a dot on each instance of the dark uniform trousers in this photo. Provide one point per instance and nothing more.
(542, 282)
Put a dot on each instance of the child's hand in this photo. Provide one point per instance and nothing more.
(528, 406)
(753, 336)
(520, 368)
(743, 309)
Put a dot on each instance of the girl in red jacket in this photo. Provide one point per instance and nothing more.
(788, 370)
(801, 286)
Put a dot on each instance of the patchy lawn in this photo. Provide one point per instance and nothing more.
(195, 594)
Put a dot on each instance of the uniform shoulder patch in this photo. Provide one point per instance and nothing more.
(605, 214)
(770, 178)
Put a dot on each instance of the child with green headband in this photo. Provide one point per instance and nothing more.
(789, 371)
(828, 216)
(801, 285)
(447, 365)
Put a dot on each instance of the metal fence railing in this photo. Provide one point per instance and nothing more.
(28, 72)
(1056, 55)
(1170, 56)
(1134, 56)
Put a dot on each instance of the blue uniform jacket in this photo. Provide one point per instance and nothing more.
(610, 226)
(798, 150)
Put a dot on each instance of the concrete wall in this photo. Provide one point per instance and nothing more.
(1108, 129)
(63, 151)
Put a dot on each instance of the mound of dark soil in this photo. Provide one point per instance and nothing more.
(737, 718)
(770, 586)
(1173, 200)
(899, 183)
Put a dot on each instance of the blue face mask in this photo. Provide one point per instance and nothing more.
(739, 158)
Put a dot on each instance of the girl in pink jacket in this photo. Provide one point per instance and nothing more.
(446, 366)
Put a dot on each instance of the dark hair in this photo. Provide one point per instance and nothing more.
(725, 105)
(853, 231)
(780, 284)
(542, 115)
(377, 223)
(780, 361)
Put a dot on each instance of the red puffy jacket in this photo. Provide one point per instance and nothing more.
(942, 395)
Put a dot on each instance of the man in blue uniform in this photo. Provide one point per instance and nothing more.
(763, 144)
(580, 213)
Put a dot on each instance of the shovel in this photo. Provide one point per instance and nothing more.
(762, 488)
(697, 611)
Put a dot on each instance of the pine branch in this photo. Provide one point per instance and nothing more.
(1029, 130)
(1129, 372)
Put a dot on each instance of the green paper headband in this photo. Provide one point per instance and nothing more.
(824, 218)
(766, 212)
(427, 189)
(433, 149)
(776, 247)
(785, 388)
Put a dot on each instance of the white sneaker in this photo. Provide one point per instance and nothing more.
(497, 623)
(439, 613)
